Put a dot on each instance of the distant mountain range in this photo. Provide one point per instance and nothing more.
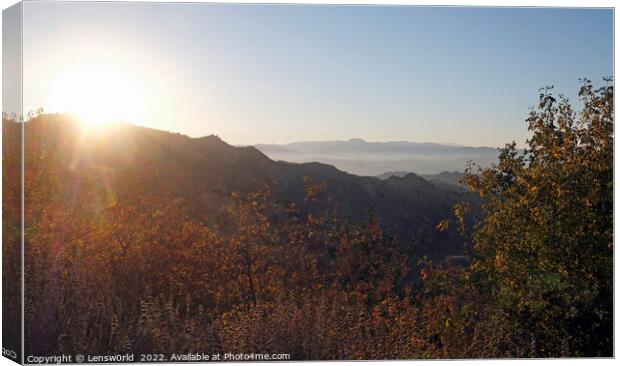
(205, 171)
(360, 157)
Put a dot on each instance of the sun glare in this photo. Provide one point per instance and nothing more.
(98, 96)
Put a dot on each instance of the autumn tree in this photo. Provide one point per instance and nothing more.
(544, 251)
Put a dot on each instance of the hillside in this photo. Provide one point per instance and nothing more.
(446, 180)
(205, 171)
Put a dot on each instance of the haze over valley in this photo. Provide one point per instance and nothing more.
(360, 157)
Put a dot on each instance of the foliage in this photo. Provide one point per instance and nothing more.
(542, 257)
(119, 261)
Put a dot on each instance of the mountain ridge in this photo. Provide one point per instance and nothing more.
(206, 171)
(361, 140)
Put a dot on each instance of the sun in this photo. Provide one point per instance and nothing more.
(98, 96)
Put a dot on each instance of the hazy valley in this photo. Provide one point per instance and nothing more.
(361, 157)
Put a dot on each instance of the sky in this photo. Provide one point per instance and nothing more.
(282, 73)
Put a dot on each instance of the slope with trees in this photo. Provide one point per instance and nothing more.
(150, 242)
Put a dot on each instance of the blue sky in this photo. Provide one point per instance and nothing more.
(251, 73)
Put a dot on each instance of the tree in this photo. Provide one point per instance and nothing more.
(544, 251)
